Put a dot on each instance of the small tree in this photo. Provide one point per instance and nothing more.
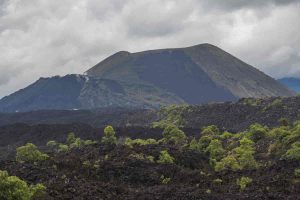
(109, 137)
(63, 148)
(257, 132)
(243, 182)
(30, 153)
(245, 154)
(204, 141)
(294, 134)
(164, 180)
(174, 134)
(297, 173)
(165, 158)
(13, 188)
(226, 135)
(215, 149)
(294, 152)
(53, 145)
(194, 145)
(78, 143)
(71, 138)
(227, 163)
(210, 130)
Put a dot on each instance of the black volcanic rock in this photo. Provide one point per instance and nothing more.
(149, 79)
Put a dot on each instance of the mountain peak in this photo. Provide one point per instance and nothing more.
(207, 63)
(199, 74)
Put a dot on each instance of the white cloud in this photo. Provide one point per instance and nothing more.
(45, 38)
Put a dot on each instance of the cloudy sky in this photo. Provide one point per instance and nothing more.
(40, 38)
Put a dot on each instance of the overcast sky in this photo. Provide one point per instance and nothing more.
(41, 38)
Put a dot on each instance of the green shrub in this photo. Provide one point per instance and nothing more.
(140, 142)
(227, 163)
(204, 141)
(274, 104)
(243, 182)
(170, 115)
(251, 101)
(174, 134)
(96, 164)
(52, 144)
(109, 137)
(217, 181)
(293, 136)
(137, 156)
(194, 145)
(297, 172)
(257, 132)
(275, 148)
(294, 152)
(226, 135)
(141, 156)
(78, 143)
(86, 164)
(38, 191)
(128, 142)
(63, 148)
(150, 158)
(278, 133)
(88, 142)
(210, 130)
(245, 154)
(208, 191)
(238, 136)
(30, 153)
(164, 180)
(13, 188)
(165, 158)
(215, 149)
(71, 138)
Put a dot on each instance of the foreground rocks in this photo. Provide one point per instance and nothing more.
(97, 172)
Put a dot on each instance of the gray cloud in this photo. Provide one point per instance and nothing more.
(45, 38)
(241, 4)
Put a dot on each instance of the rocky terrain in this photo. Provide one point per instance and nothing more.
(140, 170)
(234, 116)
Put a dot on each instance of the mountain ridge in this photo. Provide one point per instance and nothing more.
(211, 60)
(149, 79)
(291, 83)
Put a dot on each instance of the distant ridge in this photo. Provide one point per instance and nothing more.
(291, 83)
(194, 75)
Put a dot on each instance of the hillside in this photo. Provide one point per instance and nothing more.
(150, 79)
(41, 126)
(291, 83)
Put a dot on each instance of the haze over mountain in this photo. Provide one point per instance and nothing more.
(194, 75)
(291, 83)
